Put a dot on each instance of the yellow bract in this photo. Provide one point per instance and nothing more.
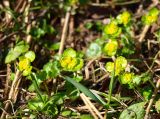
(118, 67)
(151, 16)
(68, 62)
(24, 64)
(125, 17)
(111, 28)
(110, 48)
(73, 2)
(126, 78)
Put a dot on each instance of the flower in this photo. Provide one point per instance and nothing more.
(151, 16)
(112, 29)
(70, 61)
(124, 18)
(121, 62)
(23, 64)
(71, 64)
(73, 2)
(126, 78)
(118, 67)
(27, 71)
(110, 48)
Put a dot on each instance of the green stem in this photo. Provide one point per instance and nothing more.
(36, 87)
(111, 86)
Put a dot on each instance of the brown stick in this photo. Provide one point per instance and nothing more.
(152, 99)
(86, 100)
(11, 93)
(89, 108)
(6, 90)
(142, 35)
(64, 33)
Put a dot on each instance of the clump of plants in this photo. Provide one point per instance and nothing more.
(104, 74)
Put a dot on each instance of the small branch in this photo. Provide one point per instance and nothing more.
(152, 99)
(11, 96)
(7, 36)
(7, 14)
(91, 107)
(26, 20)
(64, 33)
(87, 66)
(87, 105)
(142, 35)
(115, 3)
(6, 90)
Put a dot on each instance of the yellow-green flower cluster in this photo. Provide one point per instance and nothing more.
(124, 18)
(111, 47)
(118, 66)
(126, 78)
(112, 29)
(151, 16)
(73, 2)
(69, 60)
(24, 64)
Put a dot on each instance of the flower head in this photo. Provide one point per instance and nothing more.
(151, 16)
(110, 48)
(126, 78)
(69, 60)
(112, 29)
(24, 64)
(118, 67)
(124, 18)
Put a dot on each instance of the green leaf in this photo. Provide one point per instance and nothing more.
(147, 92)
(52, 69)
(135, 111)
(14, 53)
(36, 103)
(69, 53)
(157, 105)
(30, 55)
(86, 91)
(11, 56)
(54, 46)
(86, 116)
(88, 25)
(94, 50)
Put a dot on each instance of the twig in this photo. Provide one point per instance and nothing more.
(89, 108)
(26, 20)
(7, 36)
(102, 78)
(142, 35)
(92, 106)
(87, 66)
(152, 99)
(7, 14)
(64, 33)
(115, 3)
(154, 3)
(71, 29)
(11, 93)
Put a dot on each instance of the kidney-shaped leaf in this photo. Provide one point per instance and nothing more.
(135, 111)
(14, 53)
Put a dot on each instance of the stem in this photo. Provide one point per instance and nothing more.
(152, 99)
(64, 33)
(111, 86)
(142, 35)
(36, 87)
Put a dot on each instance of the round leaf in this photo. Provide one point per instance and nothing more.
(30, 55)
